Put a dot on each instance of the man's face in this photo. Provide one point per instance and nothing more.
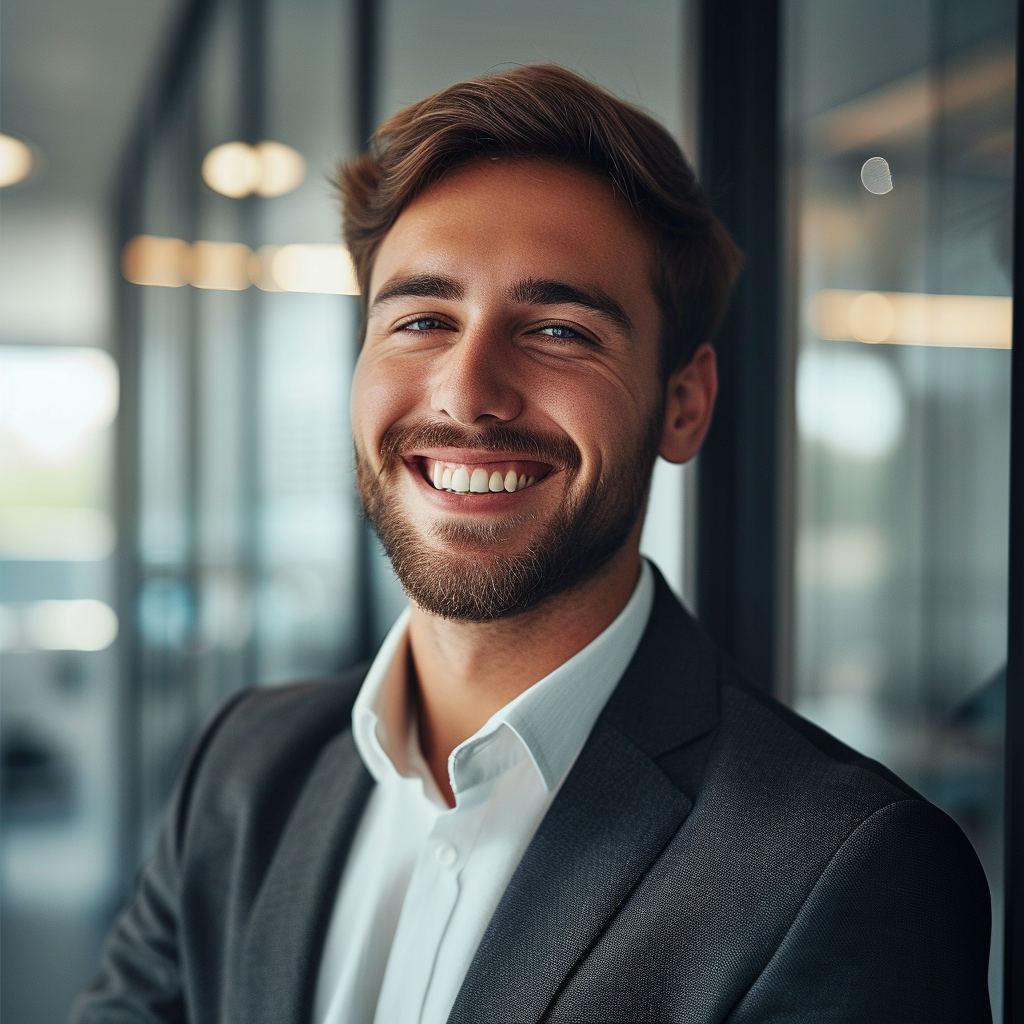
(506, 404)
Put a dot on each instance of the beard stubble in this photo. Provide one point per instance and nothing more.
(581, 536)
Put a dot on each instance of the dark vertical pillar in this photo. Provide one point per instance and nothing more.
(252, 113)
(128, 222)
(1013, 965)
(738, 469)
(184, 675)
(367, 49)
(163, 91)
(366, 41)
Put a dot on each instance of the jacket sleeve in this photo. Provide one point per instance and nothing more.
(896, 929)
(140, 979)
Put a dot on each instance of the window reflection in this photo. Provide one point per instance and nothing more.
(899, 154)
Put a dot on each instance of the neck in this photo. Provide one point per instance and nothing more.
(467, 671)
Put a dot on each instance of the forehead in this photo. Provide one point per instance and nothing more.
(516, 219)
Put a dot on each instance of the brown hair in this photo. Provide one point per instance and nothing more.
(547, 111)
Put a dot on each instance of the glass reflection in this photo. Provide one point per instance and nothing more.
(899, 143)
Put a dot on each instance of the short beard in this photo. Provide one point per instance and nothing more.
(584, 533)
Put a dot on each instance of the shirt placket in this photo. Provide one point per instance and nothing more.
(427, 912)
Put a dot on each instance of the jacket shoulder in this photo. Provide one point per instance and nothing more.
(786, 796)
(794, 842)
(260, 746)
(270, 717)
(798, 752)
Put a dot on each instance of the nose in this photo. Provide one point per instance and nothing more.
(474, 381)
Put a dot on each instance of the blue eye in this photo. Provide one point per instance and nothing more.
(562, 332)
(425, 323)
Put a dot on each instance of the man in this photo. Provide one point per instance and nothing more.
(549, 797)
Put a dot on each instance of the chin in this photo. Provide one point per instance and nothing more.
(495, 565)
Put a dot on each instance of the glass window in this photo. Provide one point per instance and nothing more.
(898, 144)
(249, 540)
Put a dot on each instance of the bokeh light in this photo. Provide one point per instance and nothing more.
(85, 625)
(55, 400)
(851, 401)
(15, 160)
(236, 169)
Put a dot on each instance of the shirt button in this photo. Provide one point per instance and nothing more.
(446, 855)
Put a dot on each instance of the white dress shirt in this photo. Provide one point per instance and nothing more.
(422, 880)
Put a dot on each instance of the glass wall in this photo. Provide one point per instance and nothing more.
(248, 538)
(898, 127)
(58, 671)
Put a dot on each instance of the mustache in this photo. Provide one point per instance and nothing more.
(499, 438)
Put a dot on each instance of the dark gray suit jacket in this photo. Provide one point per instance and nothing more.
(710, 857)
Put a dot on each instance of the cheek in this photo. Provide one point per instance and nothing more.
(601, 408)
(380, 397)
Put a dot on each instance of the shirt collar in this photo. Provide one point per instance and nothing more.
(551, 719)
(380, 715)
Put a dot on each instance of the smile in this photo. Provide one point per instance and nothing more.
(482, 478)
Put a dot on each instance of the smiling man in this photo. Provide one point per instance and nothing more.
(549, 797)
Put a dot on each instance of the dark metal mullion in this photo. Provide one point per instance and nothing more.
(128, 570)
(1013, 966)
(188, 666)
(738, 517)
(176, 65)
(127, 206)
(365, 83)
(252, 128)
(365, 60)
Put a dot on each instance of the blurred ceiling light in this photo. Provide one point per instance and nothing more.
(15, 160)
(163, 262)
(261, 268)
(237, 169)
(851, 401)
(231, 266)
(999, 144)
(220, 265)
(283, 169)
(56, 399)
(233, 169)
(70, 625)
(912, 318)
(911, 103)
(56, 534)
(322, 269)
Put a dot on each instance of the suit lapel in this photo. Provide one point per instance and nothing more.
(615, 813)
(285, 930)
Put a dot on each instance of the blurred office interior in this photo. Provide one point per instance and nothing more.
(178, 330)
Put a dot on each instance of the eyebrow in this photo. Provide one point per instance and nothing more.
(530, 292)
(559, 293)
(420, 286)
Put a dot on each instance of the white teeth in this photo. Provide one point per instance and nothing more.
(463, 480)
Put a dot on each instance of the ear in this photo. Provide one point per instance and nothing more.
(689, 402)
